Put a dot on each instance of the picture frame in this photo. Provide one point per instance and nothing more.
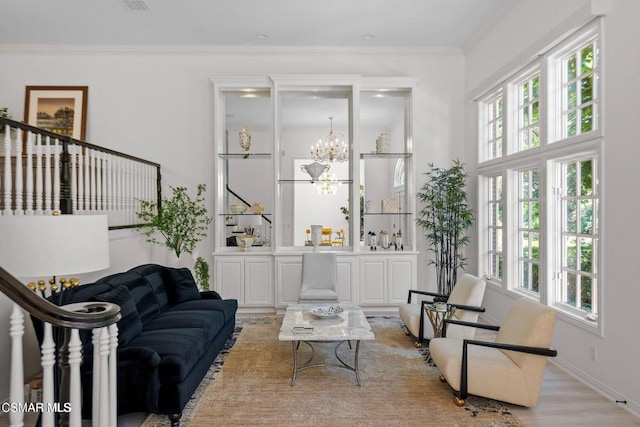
(58, 109)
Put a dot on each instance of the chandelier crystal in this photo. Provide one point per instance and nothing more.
(331, 149)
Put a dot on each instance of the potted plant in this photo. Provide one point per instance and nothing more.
(181, 221)
(445, 218)
(202, 273)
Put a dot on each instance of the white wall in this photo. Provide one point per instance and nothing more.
(529, 25)
(158, 104)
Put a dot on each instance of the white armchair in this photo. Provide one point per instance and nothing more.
(466, 296)
(319, 278)
(510, 368)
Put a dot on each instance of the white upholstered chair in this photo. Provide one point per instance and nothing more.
(319, 278)
(508, 369)
(467, 295)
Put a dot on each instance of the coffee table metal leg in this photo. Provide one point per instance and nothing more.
(295, 345)
(356, 363)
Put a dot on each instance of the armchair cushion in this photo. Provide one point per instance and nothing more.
(319, 277)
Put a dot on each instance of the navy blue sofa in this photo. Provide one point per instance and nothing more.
(169, 335)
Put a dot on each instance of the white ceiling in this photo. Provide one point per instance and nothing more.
(327, 23)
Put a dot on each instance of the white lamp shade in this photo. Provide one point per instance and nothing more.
(44, 246)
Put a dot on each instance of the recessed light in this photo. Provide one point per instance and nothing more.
(262, 36)
(369, 36)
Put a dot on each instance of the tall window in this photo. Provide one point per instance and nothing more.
(540, 235)
(579, 207)
(494, 214)
(529, 230)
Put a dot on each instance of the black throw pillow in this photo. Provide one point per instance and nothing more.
(180, 285)
(130, 325)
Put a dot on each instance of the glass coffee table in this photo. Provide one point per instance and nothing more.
(301, 325)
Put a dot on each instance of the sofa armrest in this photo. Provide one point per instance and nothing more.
(138, 356)
(210, 295)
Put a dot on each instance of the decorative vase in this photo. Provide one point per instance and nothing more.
(316, 236)
(384, 241)
(314, 170)
(245, 139)
(373, 240)
(382, 143)
(244, 242)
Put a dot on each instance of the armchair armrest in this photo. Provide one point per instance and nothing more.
(539, 351)
(469, 324)
(431, 294)
(469, 307)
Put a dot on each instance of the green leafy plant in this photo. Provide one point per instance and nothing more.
(181, 220)
(445, 218)
(202, 273)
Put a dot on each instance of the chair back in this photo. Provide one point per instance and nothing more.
(319, 276)
(469, 290)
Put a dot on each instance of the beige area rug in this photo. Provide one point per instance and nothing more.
(398, 387)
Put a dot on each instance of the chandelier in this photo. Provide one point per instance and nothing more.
(331, 149)
(327, 184)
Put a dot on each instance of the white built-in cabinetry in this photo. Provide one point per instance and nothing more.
(285, 115)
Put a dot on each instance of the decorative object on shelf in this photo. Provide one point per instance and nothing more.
(182, 221)
(327, 311)
(331, 149)
(244, 242)
(245, 140)
(316, 236)
(389, 206)
(385, 242)
(445, 218)
(314, 170)
(328, 184)
(382, 143)
(238, 209)
(373, 240)
(397, 241)
(308, 241)
(257, 208)
(201, 268)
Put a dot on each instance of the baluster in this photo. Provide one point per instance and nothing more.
(48, 362)
(81, 205)
(75, 359)
(74, 176)
(29, 191)
(109, 190)
(56, 175)
(39, 178)
(87, 180)
(47, 176)
(95, 395)
(113, 375)
(103, 418)
(99, 204)
(94, 187)
(16, 394)
(19, 191)
(7, 174)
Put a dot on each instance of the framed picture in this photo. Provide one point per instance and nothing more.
(58, 109)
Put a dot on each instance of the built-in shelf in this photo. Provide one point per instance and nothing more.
(245, 214)
(320, 181)
(385, 155)
(245, 156)
(387, 213)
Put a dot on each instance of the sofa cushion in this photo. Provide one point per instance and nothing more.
(152, 273)
(129, 326)
(141, 293)
(180, 285)
(227, 307)
(212, 321)
(179, 350)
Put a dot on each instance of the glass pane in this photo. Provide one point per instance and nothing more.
(535, 136)
(524, 93)
(571, 178)
(571, 123)
(586, 293)
(586, 255)
(524, 244)
(525, 116)
(586, 176)
(587, 58)
(570, 244)
(493, 245)
(535, 183)
(572, 96)
(524, 139)
(500, 263)
(524, 223)
(499, 128)
(499, 218)
(535, 112)
(535, 215)
(571, 289)
(586, 88)
(535, 87)
(525, 275)
(586, 216)
(499, 240)
(571, 68)
(586, 117)
(571, 215)
(535, 245)
(524, 184)
(493, 213)
(535, 277)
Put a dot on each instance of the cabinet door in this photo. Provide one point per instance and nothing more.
(258, 282)
(373, 280)
(402, 277)
(230, 277)
(347, 279)
(288, 278)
